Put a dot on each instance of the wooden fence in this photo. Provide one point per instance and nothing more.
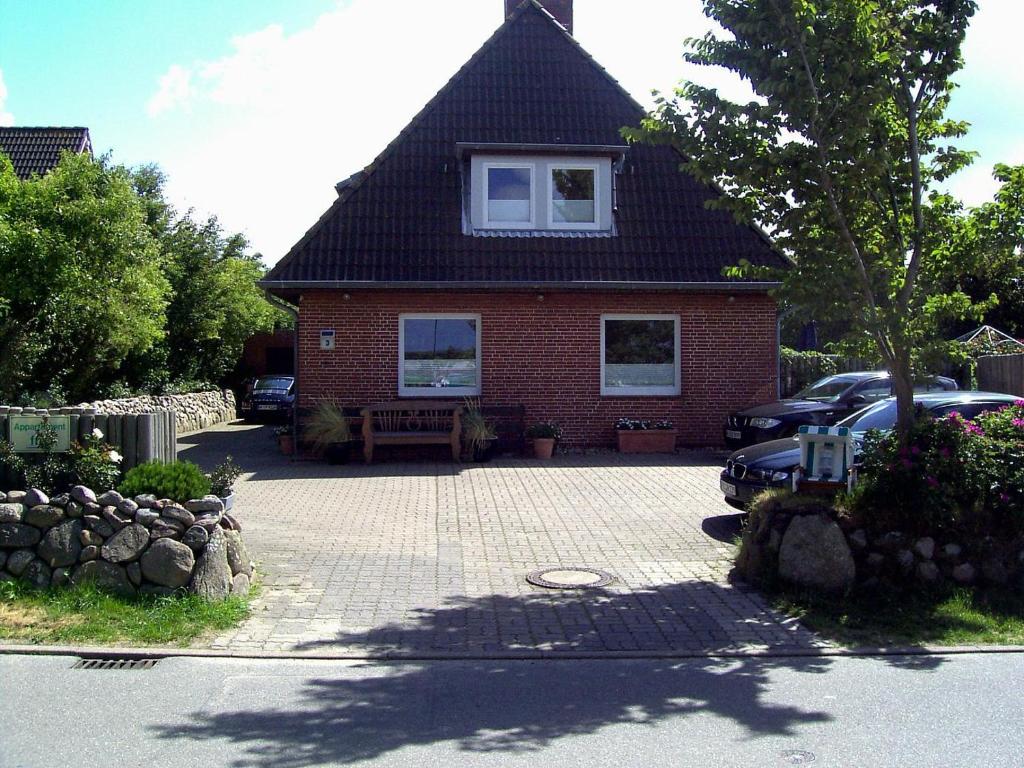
(138, 437)
(1001, 373)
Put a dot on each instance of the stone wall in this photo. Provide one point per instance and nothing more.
(192, 412)
(141, 545)
(804, 544)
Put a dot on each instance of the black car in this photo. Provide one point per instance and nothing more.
(823, 403)
(770, 465)
(271, 398)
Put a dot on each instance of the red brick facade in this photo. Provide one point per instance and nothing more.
(544, 353)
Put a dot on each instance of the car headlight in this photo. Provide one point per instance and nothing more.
(779, 476)
(761, 422)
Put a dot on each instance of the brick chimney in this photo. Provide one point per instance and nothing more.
(560, 9)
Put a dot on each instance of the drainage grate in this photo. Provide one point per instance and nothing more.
(115, 664)
(570, 578)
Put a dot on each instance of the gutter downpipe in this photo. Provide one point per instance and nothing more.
(288, 308)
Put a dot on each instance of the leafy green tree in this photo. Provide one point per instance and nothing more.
(838, 156)
(82, 287)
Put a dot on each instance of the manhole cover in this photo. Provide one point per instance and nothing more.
(570, 578)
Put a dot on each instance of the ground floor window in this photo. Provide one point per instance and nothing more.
(639, 355)
(438, 355)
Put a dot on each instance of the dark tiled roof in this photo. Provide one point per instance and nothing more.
(37, 150)
(531, 83)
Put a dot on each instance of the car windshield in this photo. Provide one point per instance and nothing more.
(881, 415)
(825, 390)
(263, 385)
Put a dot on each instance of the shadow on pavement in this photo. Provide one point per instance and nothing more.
(510, 707)
(254, 447)
(724, 528)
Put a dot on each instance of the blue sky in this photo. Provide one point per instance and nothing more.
(255, 108)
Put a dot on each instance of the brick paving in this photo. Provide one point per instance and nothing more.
(430, 558)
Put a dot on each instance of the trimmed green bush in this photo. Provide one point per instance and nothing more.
(180, 481)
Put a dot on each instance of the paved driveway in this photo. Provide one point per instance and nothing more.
(425, 558)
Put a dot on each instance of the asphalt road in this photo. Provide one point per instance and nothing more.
(823, 711)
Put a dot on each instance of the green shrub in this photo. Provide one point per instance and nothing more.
(180, 481)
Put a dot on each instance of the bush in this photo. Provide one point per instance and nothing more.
(94, 463)
(223, 476)
(953, 475)
(180, 481)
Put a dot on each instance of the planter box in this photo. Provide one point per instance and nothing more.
(647, 440)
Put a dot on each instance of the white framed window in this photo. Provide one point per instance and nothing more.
(640, 355)
(574, 196)
(438, 355)
(508, 195)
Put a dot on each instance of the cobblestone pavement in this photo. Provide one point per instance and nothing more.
(430, 558)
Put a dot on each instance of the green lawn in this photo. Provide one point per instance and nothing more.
(955, 617)
(90, 616)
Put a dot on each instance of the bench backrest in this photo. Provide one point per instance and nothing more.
(411, 416)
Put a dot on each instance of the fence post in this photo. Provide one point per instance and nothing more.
(128, 440)
(145, 437)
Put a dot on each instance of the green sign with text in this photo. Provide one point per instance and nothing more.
(23, 431)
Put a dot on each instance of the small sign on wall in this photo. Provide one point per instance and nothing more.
(23, 430)
(327, 339)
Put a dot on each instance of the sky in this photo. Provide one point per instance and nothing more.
(256, 108)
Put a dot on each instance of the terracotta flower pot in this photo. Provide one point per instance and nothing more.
(543, 447)
(647, 440)
(287, 444)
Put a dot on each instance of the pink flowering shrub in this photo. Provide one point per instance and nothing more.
(954, 476)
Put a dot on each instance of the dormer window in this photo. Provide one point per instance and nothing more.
(573, 197)
(546, 190)
(509, 195)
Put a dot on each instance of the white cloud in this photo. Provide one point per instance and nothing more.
(6, 118)
(173, 93)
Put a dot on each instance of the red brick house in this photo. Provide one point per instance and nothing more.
(508, 244)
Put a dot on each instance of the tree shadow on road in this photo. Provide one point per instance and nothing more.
(497, 706)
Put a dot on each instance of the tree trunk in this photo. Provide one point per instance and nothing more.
(903, 386)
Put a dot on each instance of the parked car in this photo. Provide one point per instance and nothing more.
(823, 403)
(770, 465)
(271, 398)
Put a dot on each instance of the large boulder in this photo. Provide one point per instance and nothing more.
(109, 499)
(126, 545)
(83, 495)
(108, 576)
(196, 538)
(35, 497)
(62, 544)
(18, 561)
(814, 554)
(16, 535)
(38, 574)
(11, 513)
(211, 578)
(238, 555)
(168, 563)
(206, 504)
(43, 516)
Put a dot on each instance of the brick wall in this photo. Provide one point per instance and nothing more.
(545, 354)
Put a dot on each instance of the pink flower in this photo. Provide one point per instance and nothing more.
(1018, 423)
(1019, 403)
(954, 416)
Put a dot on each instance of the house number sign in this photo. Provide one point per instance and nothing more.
(327, 339)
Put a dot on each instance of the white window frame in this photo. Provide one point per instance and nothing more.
(653, 391)
(574, 225)
(418, 392)
(488, 222)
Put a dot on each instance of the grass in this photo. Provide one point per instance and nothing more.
(88, 615)
(954, 617)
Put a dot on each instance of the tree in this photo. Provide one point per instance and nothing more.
(82, 287)
(838, 156)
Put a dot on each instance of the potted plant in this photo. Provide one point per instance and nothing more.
(285, 439)
(477, 431)
(646, 436)
(222, 481)
(329, 432)
(544, 434)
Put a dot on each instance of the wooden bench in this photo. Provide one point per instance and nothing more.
(412, 422)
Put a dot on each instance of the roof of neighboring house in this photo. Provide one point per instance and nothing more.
(37, 150)
(400, 220)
